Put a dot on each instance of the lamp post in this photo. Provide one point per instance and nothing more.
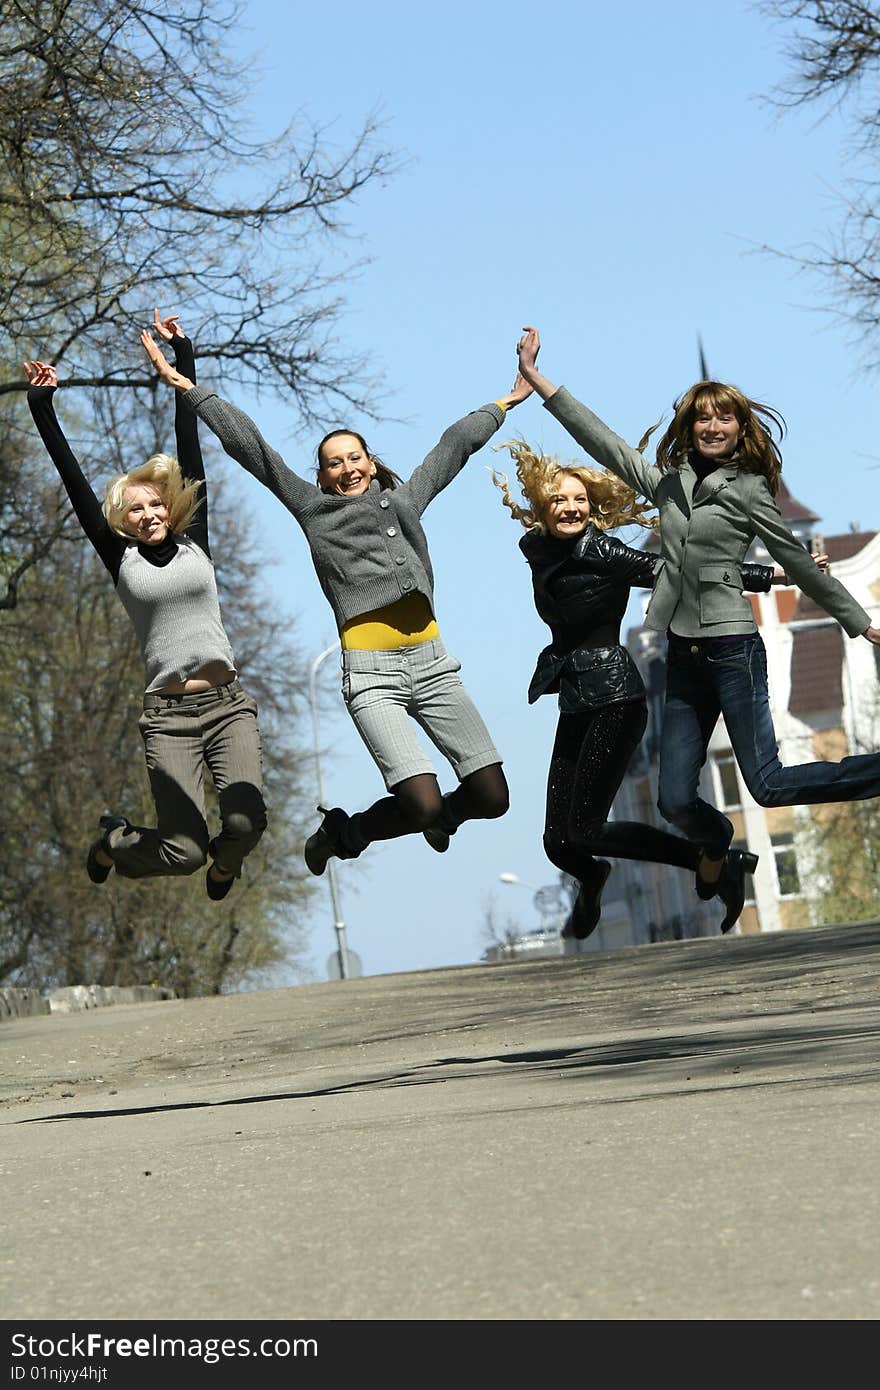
(515, 878)
(338, 923)
(548, 901)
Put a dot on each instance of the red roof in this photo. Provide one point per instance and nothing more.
(816, 670)
(791, 508)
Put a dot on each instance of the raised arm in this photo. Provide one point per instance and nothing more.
(593, 435)
(237, 433)
(458, 442)
(43, 382)
(186, 424)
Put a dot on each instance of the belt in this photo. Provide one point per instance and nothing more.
(695, 645)
(159, 699)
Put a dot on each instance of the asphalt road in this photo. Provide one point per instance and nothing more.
(689, 1130)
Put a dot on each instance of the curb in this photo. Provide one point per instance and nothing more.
(25, 1003)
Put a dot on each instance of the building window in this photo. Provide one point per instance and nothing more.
(727, 780)
(787, 875)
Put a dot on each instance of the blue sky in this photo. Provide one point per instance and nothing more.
(608, 173)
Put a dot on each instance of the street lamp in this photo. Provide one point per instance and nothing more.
(515, 878)
(549, 901)
(338, 923)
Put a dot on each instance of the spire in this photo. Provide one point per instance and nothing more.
(704, 370)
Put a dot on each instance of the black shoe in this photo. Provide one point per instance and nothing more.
(327, 840)
(587, 908)
(440, 833)
(437, 838)
(98, 872)
(217, 888)
(707, 889)
(732, 885)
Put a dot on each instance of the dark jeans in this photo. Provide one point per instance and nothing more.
(591, 754)
(705, 679)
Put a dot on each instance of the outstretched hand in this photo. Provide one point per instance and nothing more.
(518, 392)
(40, 374)
(873, 635)
(167, 327)
(163, 367)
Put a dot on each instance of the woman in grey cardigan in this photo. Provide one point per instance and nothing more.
(364, 530)
(714, 485)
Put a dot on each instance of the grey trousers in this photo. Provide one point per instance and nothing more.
(185, 736)
(385, 692)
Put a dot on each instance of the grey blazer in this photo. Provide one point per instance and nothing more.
(703, 542)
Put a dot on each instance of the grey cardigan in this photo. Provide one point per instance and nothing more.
(703, 542)
(368, 551)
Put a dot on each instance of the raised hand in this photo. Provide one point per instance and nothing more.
(518, 392)
(40, 374)
(166, 327)
(164, 368)
(527, 350)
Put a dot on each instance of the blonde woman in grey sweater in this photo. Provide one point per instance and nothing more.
(363, 527)
(151, 533)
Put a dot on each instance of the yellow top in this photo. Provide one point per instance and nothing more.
(405, 623)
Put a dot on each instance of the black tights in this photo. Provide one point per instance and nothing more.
(591, 754)
(416, 803)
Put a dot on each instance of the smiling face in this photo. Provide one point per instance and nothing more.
(145, 514)
(344, 466)
(567, 510)
(716, 431)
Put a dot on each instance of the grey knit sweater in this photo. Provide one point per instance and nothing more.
(176, 613)
(368, 551)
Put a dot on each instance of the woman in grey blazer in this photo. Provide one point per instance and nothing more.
(714, 485)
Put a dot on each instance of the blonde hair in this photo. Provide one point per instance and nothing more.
(757, 451)
(181, 498)
(612, 503)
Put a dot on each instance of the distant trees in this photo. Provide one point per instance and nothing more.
(127, 180)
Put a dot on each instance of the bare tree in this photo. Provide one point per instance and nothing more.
(127, 179)
(833, 53)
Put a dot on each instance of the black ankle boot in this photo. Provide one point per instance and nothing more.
(334, 837)
(97, 871)
(438, 835)
(707, 890)
(587, 908)
(732, 884)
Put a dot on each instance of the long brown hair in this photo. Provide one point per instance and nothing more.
(612, 503)
(757, 451)
(385, 476)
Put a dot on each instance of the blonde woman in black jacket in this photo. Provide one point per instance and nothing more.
(581, 578)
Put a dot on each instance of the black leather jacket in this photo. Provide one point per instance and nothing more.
(581, 590)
